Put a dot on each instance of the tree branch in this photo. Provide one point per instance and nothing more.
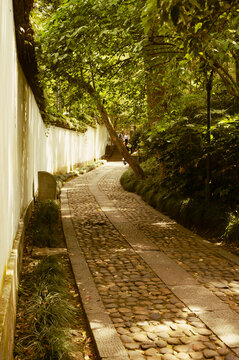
(106, 120)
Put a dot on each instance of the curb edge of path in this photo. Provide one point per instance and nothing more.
(106, 338)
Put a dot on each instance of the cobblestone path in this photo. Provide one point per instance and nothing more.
(215, 272)
(151, 315)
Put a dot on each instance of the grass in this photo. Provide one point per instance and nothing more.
(50, 321)
(49, 314)
(50, 311)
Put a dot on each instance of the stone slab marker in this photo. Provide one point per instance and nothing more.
(46, 186)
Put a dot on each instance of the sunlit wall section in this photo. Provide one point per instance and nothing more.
(9, 166)
(101, 141)
(66, 149)
(37, 153)
(26, 145)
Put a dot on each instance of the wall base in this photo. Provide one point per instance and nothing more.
(8, 297)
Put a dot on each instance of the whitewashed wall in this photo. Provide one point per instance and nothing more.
(26, 146)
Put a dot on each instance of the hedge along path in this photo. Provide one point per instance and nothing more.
(156, 307)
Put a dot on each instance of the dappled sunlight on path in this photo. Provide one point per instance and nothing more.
(191, 252)
(168, 295)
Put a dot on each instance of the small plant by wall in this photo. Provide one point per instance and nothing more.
(46, 218)
(61, 178)
(50, 323)
(49, 314)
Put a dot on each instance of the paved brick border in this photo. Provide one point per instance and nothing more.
(108, 343)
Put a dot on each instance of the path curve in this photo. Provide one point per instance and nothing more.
(151, 289)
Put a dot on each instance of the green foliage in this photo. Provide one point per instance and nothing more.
(179, 149)
(47, 212)
(95, 42)
(224, 158)
(204, 31)
(208, 219)
(45, 223)
(175, 165)
(61, 178)
(128, 180)
(50, 314)
(232, 231)
(150, 57)
(49, 273)
(179, 155)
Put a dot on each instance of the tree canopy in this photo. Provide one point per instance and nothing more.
(130, 62)
(206, 31)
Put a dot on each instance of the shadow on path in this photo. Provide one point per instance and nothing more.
(149, 286)
(116, 155)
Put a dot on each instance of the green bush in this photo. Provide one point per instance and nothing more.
(129, 181)
(45, 223)
(231, 234)
(90, 167)
(51, 272)
(49, 314)
(176, 155)
(47, 212)
(150, 197)
(196, 214)
(215, 218)
(43, 236)
(175, 163)
(173, 205)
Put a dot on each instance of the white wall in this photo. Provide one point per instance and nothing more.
(26, 146)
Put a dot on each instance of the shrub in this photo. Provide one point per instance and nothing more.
(150, 197)
(47, 212)
(176, 156)
(209, 219)
(51, 272)
(232, 230)
(44, 237)
(173, 206)
(175, 164)
(129, 181)
(49, 314)
(45, 223)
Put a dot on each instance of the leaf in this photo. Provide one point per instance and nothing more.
(63, 57)
(198, 26)
(195, 3)
(225, 45)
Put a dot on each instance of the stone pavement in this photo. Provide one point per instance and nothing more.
(151, 289)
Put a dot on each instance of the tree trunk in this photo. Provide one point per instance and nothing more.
(107, 122)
